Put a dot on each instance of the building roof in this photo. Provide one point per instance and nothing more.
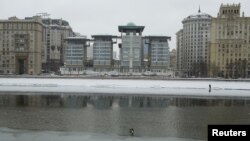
(76, 39)
(158, 37)
(103, 36)
(130, 27)
(199, 15)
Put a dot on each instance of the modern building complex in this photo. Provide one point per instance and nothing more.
(230, 43)
(21, 45)
(103, 52)
(131, 51)
(192, 45)
(75, 55)
(158, 56)
(56, 31)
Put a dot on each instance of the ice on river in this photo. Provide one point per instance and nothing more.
(111, 86)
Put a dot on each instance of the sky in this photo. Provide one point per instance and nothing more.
(89, 17)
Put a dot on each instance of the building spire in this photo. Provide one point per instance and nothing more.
(199, 11)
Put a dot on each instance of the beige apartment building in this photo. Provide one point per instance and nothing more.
(21, 45)
(230, 43)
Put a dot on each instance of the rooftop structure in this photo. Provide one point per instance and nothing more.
(130, 27)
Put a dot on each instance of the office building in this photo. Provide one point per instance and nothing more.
(131, 49)
(158, 53)
(103, 52)
(75, 55)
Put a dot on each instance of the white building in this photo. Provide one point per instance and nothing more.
(192, 44)
(131, 50)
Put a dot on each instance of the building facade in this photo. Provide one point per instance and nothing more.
(173, 59)
(179, 49)
(158, 55)
(21, 45)
(230, 43)
(192, 45)
(131, 50)
(56, 31)
(75, 55)
(103, 52)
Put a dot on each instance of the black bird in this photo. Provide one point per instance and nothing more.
(131, 131)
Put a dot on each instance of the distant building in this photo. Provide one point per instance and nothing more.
(56, 31)
(75, 55)
(173, 57)
(103, 52)
(179, 54)
(230, 43)
(158, 53)
(192, 45)
(131, 50)
(90, 52)
(21, 45)
(115, 55)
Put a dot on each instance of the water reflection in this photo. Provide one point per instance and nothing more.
(105, 102)
(161, 116)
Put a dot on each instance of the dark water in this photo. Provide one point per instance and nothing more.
(150, 116)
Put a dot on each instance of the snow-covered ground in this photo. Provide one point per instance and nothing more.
(7, 134)
(99, 86)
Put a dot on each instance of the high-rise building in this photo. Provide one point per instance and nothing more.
(192, 45)
(21, 45)
(158, 56)
(103, 52)
(131, 51)
(230, 43)
(56, 31)
(75, 55)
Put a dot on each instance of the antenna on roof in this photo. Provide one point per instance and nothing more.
(199, 11)
(43, 15)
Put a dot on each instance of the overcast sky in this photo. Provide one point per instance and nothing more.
(88, 17)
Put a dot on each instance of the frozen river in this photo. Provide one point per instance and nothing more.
(121, 87)
(67, 109)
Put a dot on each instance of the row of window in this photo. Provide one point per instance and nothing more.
(159, 59)
(134, 63)
(102, 62)
(101, 52)
(102, 45)
(19, 26)
(101, 57)
(73, 58)
(74, 62)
